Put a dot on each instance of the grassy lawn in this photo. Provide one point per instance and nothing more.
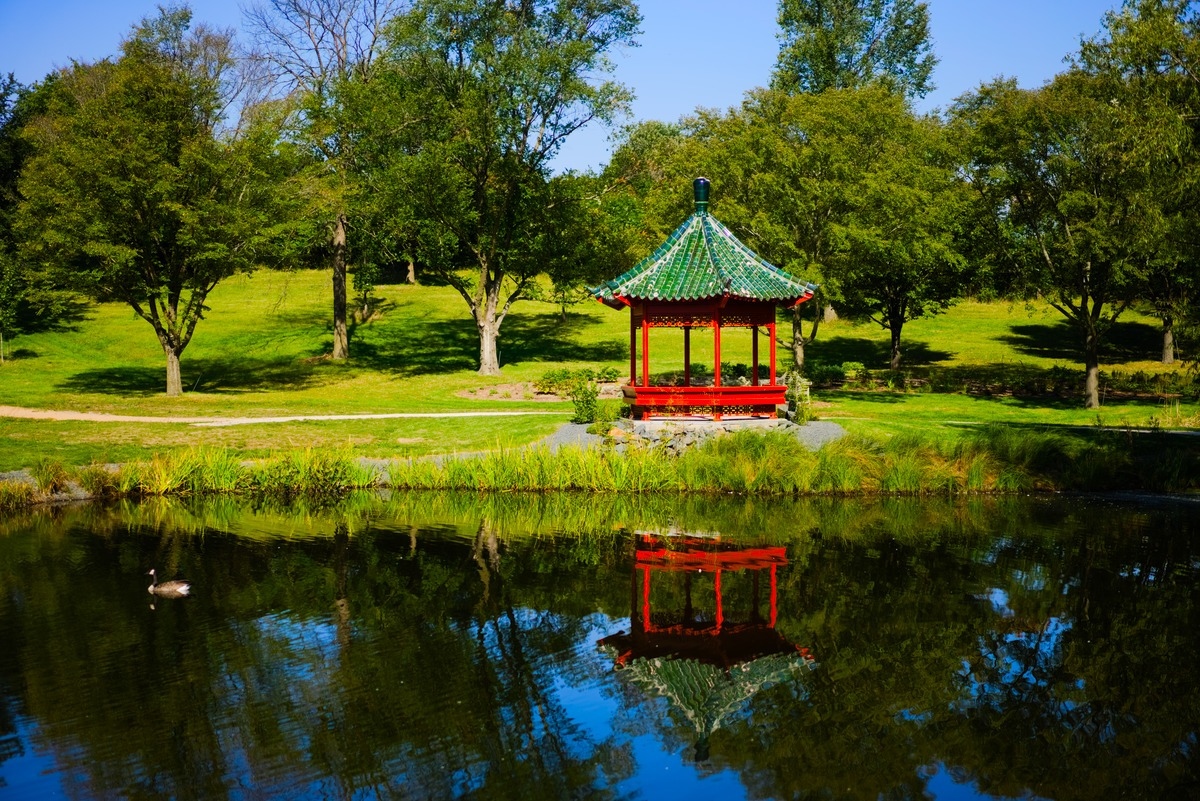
(261, 349)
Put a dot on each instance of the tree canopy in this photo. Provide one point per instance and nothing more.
(135, 193)
(473, 100)
(843, 44)
(310, 48)
(1069, 175)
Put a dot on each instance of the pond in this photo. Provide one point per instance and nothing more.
(442, 646)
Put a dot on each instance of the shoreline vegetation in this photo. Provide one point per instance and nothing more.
(993, 459)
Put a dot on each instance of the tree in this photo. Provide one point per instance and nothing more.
(847, 188)
(12, 158)
(313, 47)
(134, 193)
(1152, 48)
(1067, 171)
(780, 189)
(474, 100)
(893, 247)
(842, 44)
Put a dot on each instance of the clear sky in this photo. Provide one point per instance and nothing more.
(691, 52)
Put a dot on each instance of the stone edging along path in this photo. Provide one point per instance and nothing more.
(217, 422)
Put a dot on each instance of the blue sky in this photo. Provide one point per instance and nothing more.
(692, 52)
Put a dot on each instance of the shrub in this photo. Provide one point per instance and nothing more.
(553, 382)
(606, 414)
(585, 394)
(561, 380)
(856, 372)
(824, 375)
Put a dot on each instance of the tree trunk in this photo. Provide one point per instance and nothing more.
(1168, 352)
(412, 272)
(798, 342)
(895, 329)
(341, 338)
(1091, 363)
(798, 339)
(489, 355)
(174, 379)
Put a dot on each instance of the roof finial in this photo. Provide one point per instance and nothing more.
(700, 190)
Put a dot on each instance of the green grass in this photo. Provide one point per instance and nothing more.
(260, 352)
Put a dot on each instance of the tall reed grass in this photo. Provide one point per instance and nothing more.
(992, 459)
(16, 495)
(51, 475)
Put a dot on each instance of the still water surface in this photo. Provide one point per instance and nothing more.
(439, 646)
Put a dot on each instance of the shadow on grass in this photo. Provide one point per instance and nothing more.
(1125, 341)
(416, 348)
(199, 375)
(875, 355)
(69, 312)
(863, 396)
(446, 346)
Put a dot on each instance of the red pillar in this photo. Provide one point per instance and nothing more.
(646, 597)
(720, 609)
(716, 361)
(773, 587)
(645, 351)
(771, 332)
(632, 348)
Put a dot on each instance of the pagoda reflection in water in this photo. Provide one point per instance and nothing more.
(708, 666)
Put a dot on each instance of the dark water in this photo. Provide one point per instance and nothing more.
(441, 646)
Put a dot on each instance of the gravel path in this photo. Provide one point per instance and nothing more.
(818, 432)
(812, 435)
(570, 434)
(216, 422)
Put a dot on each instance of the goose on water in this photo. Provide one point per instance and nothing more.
(168, 589)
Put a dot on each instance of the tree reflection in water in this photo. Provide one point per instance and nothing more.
(444, 646)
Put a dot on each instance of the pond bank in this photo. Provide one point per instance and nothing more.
(988, 460)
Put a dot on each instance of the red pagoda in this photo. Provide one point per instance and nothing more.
(702, 277)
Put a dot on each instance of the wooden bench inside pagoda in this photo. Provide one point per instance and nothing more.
(703, 277)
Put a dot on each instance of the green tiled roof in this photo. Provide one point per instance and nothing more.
(703, 259)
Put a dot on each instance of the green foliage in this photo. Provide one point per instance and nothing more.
(133, 194)
(561, 380)
(472, 102)
(991, 459)
(585, 395)
(844, 44)
(856, 372)
(1074, 177)
(1151, 50)
(848, 189)
(607, 413)
(365, 278)
(822, 374)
